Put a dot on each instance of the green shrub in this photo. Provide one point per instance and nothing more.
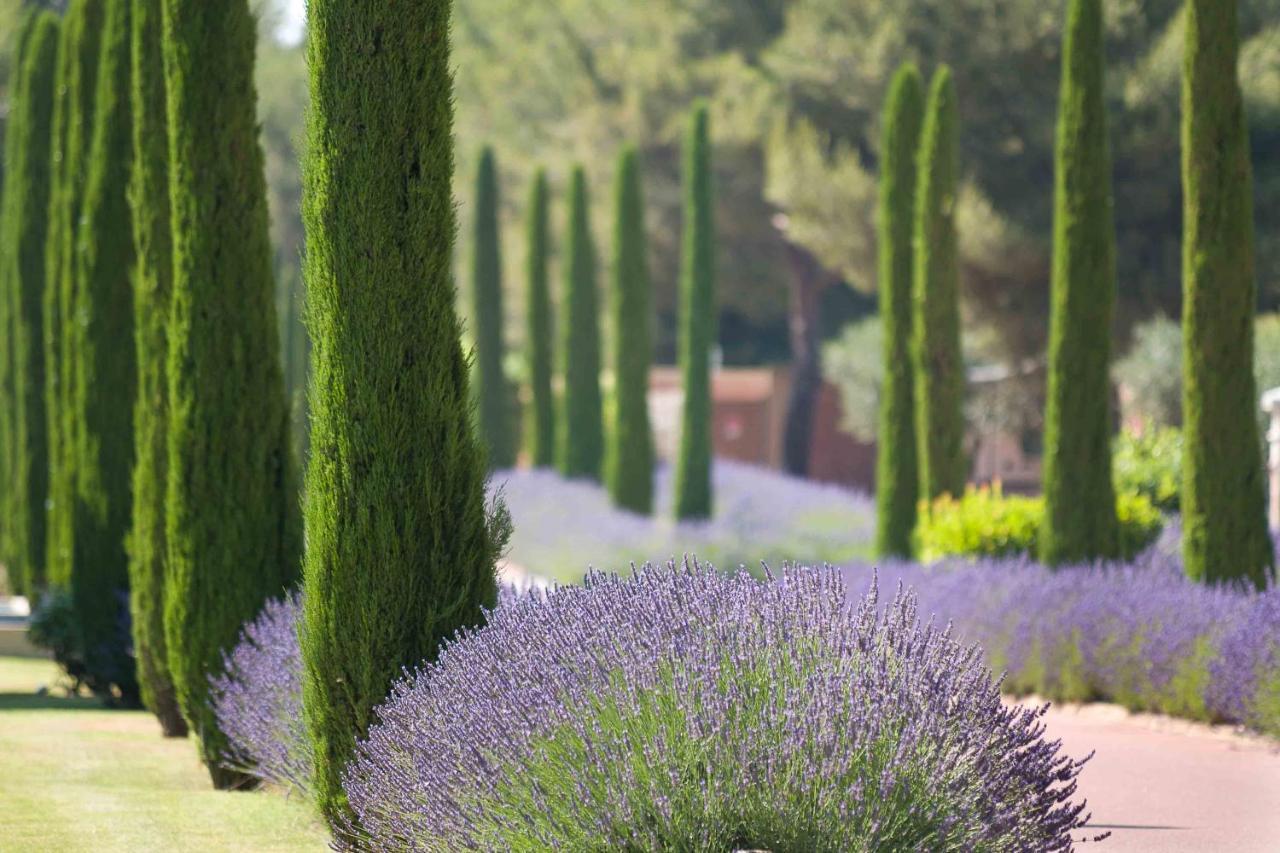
(540, 432)
(1150, 465)
(493, 404)
(581, 435)
(984, 522)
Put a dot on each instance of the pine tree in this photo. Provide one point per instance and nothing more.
(540, 433)
(153, 291)
(400, 554)
(937, 360)
(78, 58)
(493, 407)
(1080, 520)
(1223, 506)
(582, 434)
(232, 522)
(630, 461)
(693, 496)
(25, 224)
(897, 470)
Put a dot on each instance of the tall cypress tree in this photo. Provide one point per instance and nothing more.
(540, 432)
(493, 407)
(78, 55)
(27, 221)
(153, 292)
(897, 471)
(1080, 520)
(630, 461)
(581, 436)
(693, 497)
(1223, 507)
(400, 554)
(232, 521)
(939, 365)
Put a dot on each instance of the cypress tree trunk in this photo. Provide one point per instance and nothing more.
(897, 471)
(693, 498)
(26, 229)
(540, 435)
(78, 75)
(153, 293)
(400, 554)
(582, 437)
(939, 365)
(105, 371)
(1223, 506)
(1080, 507)
(232, 522)
(493, 406)
(630, 462)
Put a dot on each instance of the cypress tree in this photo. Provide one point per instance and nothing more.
(27, 219)
(897, 471)
(1223, 506)
(105, 369)
(73, 123)
(582, 436)
(693, 498)
(153, 290)
(400, 554)
(1080, 520)
(540, 434)
(939, 366)
(231, 516)
(493, 409)
(630, 460)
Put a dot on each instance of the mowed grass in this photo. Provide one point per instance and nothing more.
(74, 776)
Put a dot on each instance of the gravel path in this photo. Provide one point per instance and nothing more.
(1167, 785)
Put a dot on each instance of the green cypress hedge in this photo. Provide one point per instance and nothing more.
(938, 362)
(693, 497)
(1080, 520)
(582, 435)
(105, 369)
(153, 293)
(232, 520)
(540, 432)
(629, 471)
(1223, 506)
(897, 469)
(78, 75)
(26, 230)
(400, 553)
(493, 407)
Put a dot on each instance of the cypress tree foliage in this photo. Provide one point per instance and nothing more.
(693, 497)
(232, 522)
(26, 221)
(540, 433)
(493, 406)
(897, 471)
(938, 363)
(400, 553)
(73, 124)
(1223, 505)
(153, 292)
(630, 461)
(582, 436)
(1080, 520)
(105, 369)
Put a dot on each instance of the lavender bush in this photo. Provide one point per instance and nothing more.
(759, 515)
(682, 708)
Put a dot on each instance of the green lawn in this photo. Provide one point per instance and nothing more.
(74, 776)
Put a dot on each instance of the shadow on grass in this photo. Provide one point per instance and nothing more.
(47, 702)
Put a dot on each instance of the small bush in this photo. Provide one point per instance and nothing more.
(55, 627)
(1150, 465)
(985, 522)
(687, 709)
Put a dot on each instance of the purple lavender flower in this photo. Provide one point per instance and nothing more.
(682, 708)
